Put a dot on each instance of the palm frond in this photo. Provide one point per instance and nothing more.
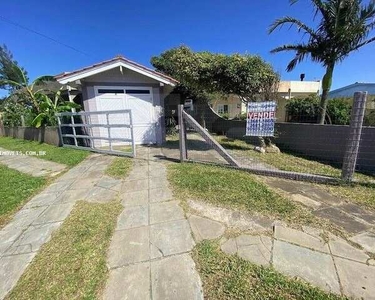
(292, 21)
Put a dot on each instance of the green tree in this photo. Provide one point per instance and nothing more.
(9, 69)
(344, 27)
(203, 74)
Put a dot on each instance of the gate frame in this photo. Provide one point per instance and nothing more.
(109, 126)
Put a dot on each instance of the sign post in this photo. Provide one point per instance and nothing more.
(261, 117)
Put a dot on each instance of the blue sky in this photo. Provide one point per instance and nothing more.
(140, 29)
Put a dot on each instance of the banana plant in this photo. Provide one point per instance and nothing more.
(49, 108)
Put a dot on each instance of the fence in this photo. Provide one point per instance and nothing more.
(49, 135)
(308, 151)
(101, 131)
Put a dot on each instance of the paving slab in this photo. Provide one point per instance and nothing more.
(101, 195)
(133, 216)
(175, 277)
(134, 185)
(342, 219)
(300, 238)
(165, 211)
(33, 238)
(366, 240)
(170, 238)
(205, 229)
(315, 267)
(109, 183)
(356, 279)
(134, 198)
(229, 246)
(256, 249)
(359, 213)
(322, 196)
(59, 186)
(160, 195)
(130, 282)
(158, 182)
(306, 201)
(72, 196)
(11, 269)
(54, 213)
(32, 165)
(340, 247)
(129, 246)
(43, 199)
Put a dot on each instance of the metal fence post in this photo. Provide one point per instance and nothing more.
(355, 130)
(182, 140)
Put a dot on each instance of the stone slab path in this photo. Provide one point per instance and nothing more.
(34, 224)
(330, 263)
(30, 165)
(149, 255)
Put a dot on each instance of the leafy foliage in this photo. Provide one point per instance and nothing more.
(343, 27)
(26, 99)
(206, 73)
(8, 71)
(307, 110)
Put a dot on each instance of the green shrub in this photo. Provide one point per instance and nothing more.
(306, 110)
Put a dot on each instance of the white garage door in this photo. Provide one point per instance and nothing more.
(139, 100)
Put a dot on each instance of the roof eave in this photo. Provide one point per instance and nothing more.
(67, 78)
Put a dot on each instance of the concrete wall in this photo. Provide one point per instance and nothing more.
(324, 142)
(47, 135)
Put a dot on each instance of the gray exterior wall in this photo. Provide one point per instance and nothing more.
(324, 142)
(127, 78)
(48, 135)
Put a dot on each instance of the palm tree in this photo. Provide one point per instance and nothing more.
(343, 28)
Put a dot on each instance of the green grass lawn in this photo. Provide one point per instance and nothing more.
(362, 193)
(67, 156)
(15, 189)
(238, 190)
(120, 167)
(72, 265)
(228, 277)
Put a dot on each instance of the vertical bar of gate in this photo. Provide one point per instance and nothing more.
(182, 140)
(74, 130)
(60, 131)
(109, 132)
(355, 130)
(132, 132)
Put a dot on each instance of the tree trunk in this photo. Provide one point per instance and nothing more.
(326, 85)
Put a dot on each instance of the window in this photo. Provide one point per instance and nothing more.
(138, 91)
(222, 109)
(110, 91)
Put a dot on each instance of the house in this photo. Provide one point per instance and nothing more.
(232, 106)
(118, 84)
(349, 90)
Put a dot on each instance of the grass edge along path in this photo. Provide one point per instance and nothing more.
(16, 189)
(120, 167)
(229, 277)
(235, 189)
(362, 193)
(72, 265)
(65, 156)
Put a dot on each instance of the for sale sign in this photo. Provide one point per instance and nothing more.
(261, 118)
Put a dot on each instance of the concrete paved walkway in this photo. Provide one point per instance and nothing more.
(29, 164)
(33, 225)
(149, 253)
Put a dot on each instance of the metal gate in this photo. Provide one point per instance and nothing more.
(108, 132)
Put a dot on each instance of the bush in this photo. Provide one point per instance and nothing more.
(12, 112)
(307, 110)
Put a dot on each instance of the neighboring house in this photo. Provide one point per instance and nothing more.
(349, 90)
(118, 84)
(233, 106)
